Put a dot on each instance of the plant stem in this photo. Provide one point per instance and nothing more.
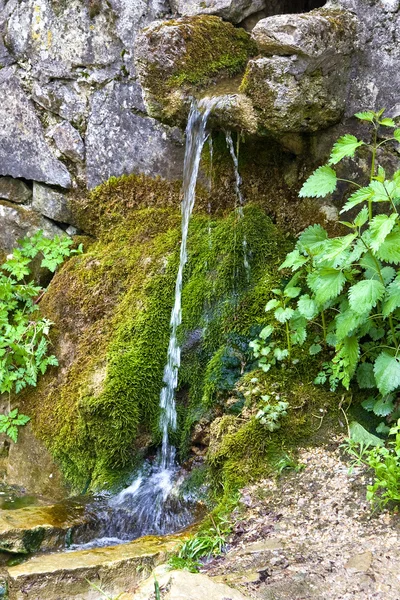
(372, 174)
(323, 325)
(289, 343)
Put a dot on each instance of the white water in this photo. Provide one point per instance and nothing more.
(152, 504)
(240, 197)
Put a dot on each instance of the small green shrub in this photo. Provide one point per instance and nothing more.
(10, 423)
(344, 296)
(23, 334)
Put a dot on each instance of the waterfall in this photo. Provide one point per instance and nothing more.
(151, 504)
(240, 198)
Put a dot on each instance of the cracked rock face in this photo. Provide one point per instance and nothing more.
(121, 139)
(234, 11)
(24, 152)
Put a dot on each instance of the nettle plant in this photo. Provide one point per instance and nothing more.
(24, 342)
(344, 295)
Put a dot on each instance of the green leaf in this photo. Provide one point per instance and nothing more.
(364, 295)
(347, 322)
(366, 116)
(321, 183)
(271, 304)
(334, 249)
(326, 284)
(384, 406)
(383, 429)
(362, 217)
(361, 195)
(291, 291)
(360, 435)
(396, 134)
(307, 307)
(388, 274)
(389, 251)
(387, 122)
(266, 332)
(369, 403)
(380, 227)
(283, 314)
(349, 354)
(365, 376)
(379, 191)
(392, 298)
(344, 147)
(294, 260)
(387, 372)
(315, 349)
(313, 239)
(280, 354)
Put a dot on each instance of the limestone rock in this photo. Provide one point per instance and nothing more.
(67, 99)
(14, 190)
(68, 141)
(314, 35)
(120, 139)
(29, 529)
(303, 87)
(230, 10)
(58, 37)
(180, 585)
(23, 148)
(18, 221)
(175, 58)
(51, 203)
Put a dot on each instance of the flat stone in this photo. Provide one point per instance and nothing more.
(67, 99)
(24, 152)
(314, 34)
(68, 141)
(66, 576)
(14, 190)
(29, 529)
(120, 139)
(181, 585)
(17, 221)
(51, 203)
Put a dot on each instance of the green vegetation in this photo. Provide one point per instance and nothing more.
(344, 296)
(10, 423)
(23, 332)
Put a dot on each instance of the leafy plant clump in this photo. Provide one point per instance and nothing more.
(344, 295)
(24, 334)
(10, 423)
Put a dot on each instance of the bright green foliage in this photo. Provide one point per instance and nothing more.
(344, 295)
(9, 423)
(23, 334)
(270, 413)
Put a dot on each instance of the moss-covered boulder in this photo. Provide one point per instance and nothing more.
(176, 58)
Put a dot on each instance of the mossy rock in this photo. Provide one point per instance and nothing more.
(177, 58)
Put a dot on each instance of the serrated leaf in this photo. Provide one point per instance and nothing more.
(280, 354)
(347, 322)
(307, 307)
(315, 349)
(361, 195)
(379, 192)
(271, 304)
(382, 428)
(291, 291)
(321, 183)
(386, 122)
(294, 260)
(379, 228)
(283, 314)
(364, 295)
(313, 239)
(362, 217)
(365, 376)
(384, 406)
(335, 248)
(360, 435)
(396, 134)
(392, 298)
(388, 274)
(344, 147)
(369, 403)
(389, 251)
(326, 284)
(387, 372)
(266, 332)
(349, 355)
(365, 116)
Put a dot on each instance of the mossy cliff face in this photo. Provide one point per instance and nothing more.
(187, 54)
(111, 308)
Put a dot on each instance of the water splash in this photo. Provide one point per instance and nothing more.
(240, 197)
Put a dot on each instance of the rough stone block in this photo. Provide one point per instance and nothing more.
(14, 190)
(68, 141)
(230, 10)
(51, 203)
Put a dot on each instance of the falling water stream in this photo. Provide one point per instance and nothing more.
(152, 504)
